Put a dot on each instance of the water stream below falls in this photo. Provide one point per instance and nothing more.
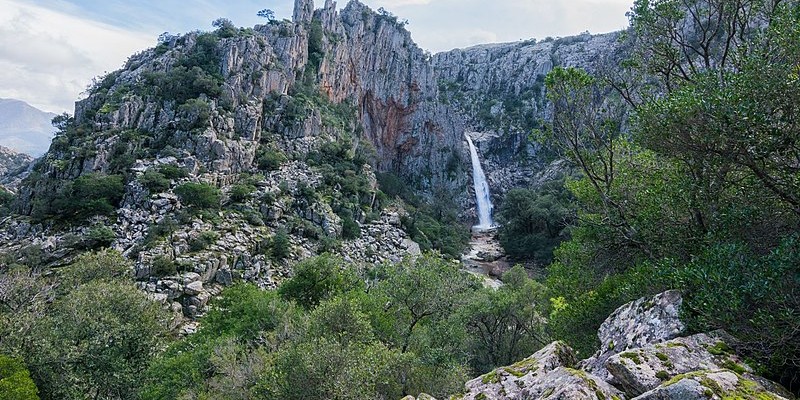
(482, 194)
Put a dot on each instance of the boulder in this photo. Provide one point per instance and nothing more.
(714, 385)
(193, 288)
(545, 374)
(639, 323)
(639, 370)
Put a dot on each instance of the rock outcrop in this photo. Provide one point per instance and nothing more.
(652, 364)
(636, 324)
(13, 167)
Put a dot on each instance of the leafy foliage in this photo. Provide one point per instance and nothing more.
(533, 223)
(200, 196)
(15, 381)
(701, 194)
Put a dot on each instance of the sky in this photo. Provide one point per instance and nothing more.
(51, 49)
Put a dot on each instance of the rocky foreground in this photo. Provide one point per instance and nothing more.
(643, 357)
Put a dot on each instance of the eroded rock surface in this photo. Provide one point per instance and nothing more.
(645, 321)
(654, 365)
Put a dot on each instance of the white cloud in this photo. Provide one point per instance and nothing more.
(440, 25)
(48, 57)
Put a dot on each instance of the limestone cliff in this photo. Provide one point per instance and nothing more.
(287, 122)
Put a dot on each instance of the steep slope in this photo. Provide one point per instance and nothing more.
(24, 128)
(201, 154)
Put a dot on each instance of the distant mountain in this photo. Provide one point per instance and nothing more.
(24, 128)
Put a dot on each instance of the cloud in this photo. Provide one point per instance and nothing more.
(49, 57)
(439, 25)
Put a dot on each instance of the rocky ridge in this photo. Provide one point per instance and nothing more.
(295, 112)
(647, 361)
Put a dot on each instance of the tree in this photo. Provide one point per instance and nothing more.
(505, 324)
(678, 39)
(266, 13)
(96, 341)
(199, 195)
(586, 129)
(534, 222)
(225, 28)
(419, 291)
(318, 278)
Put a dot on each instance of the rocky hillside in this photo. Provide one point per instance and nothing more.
(643, 356)
(221, 155)
(13, 167)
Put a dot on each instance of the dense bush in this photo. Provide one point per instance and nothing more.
(280, 246)
(6, 202)
(414, 328)
(533, 223)
(154, 181)
(15, 381)
(170, 171)
(200, 196)
(699, 191)
(86, 196)
(203, 240)
(84, 331)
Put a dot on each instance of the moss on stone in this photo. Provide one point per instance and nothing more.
(733, 366)
(719, 349)
(632, 356)
(490, 377)
(662, 375)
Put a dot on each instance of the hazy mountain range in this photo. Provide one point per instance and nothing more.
(24, 128)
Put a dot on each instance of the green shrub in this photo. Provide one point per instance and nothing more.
(154, 182)
(241, 192)
(202, 241)
(87, 196)
(6, 202)
(269, 159)
(173, 171)
(96, 340)
(162, 266)
(199, 195)
(100, 235)
(751, 296)
(15, 381)
(280, 245)
(350, 228)
(533, 223)
(195, 114)
(318, 278)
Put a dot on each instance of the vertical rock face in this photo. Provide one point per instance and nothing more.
(412, 107)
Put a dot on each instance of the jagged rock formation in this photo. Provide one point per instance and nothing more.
(11, 161)
(701, 366)
(13, 167)
(282, 119)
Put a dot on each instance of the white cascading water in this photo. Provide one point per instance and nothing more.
(482, 194)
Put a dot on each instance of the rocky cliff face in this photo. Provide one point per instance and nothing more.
(643, 359)
(13, 167)
(413, 108)
(287, 121)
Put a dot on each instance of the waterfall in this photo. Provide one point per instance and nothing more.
(482, 194)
